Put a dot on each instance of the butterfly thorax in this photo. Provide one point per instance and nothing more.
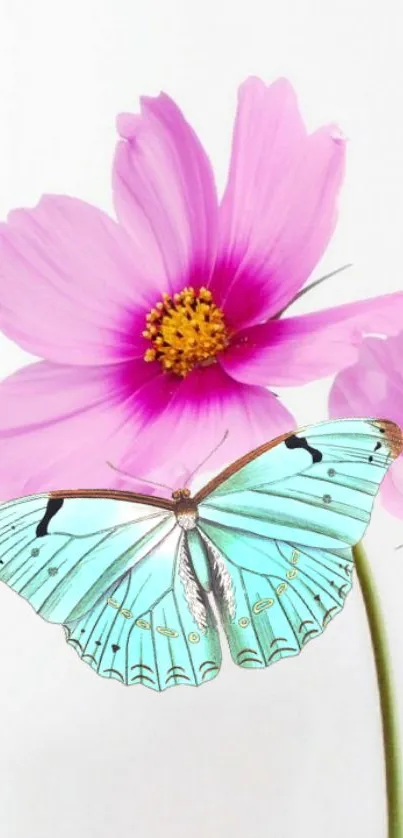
(185, 509)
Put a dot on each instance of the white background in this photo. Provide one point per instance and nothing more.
(290, 751)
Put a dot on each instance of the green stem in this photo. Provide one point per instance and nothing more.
(385, 685)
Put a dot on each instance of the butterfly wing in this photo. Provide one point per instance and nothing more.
(118, 575)
(273, 596)
(278, 528)
(62, 555)
(155, 627)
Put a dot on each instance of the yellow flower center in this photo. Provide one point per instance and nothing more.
(186, 330)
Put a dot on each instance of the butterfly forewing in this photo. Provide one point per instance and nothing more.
(316, 487)
(56, 555)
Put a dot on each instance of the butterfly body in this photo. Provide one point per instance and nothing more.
(131, 577)
(186, 510)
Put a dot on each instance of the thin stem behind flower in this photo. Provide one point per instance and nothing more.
(310, 287)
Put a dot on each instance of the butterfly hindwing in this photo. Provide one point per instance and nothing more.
(273, 596)
(154, 627)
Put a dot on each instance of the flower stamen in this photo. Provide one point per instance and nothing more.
(186, 330)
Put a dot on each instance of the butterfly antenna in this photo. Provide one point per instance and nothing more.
(219, 444)
(140, 479)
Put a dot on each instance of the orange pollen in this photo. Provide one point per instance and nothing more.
(185, 331)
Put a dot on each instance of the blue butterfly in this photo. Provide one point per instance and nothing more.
(270, 538)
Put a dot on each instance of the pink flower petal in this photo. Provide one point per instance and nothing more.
(60, 424)
(373, 386)
(279, 208)
(206, 405)
(300, 349)
(392, 490)
(71, 286)
(165, 193)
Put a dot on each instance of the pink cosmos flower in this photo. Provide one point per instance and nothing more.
(374, 386)
(159, 332)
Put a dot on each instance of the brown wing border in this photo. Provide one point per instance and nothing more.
(393, 434)
(113, 494)
(238, 464)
